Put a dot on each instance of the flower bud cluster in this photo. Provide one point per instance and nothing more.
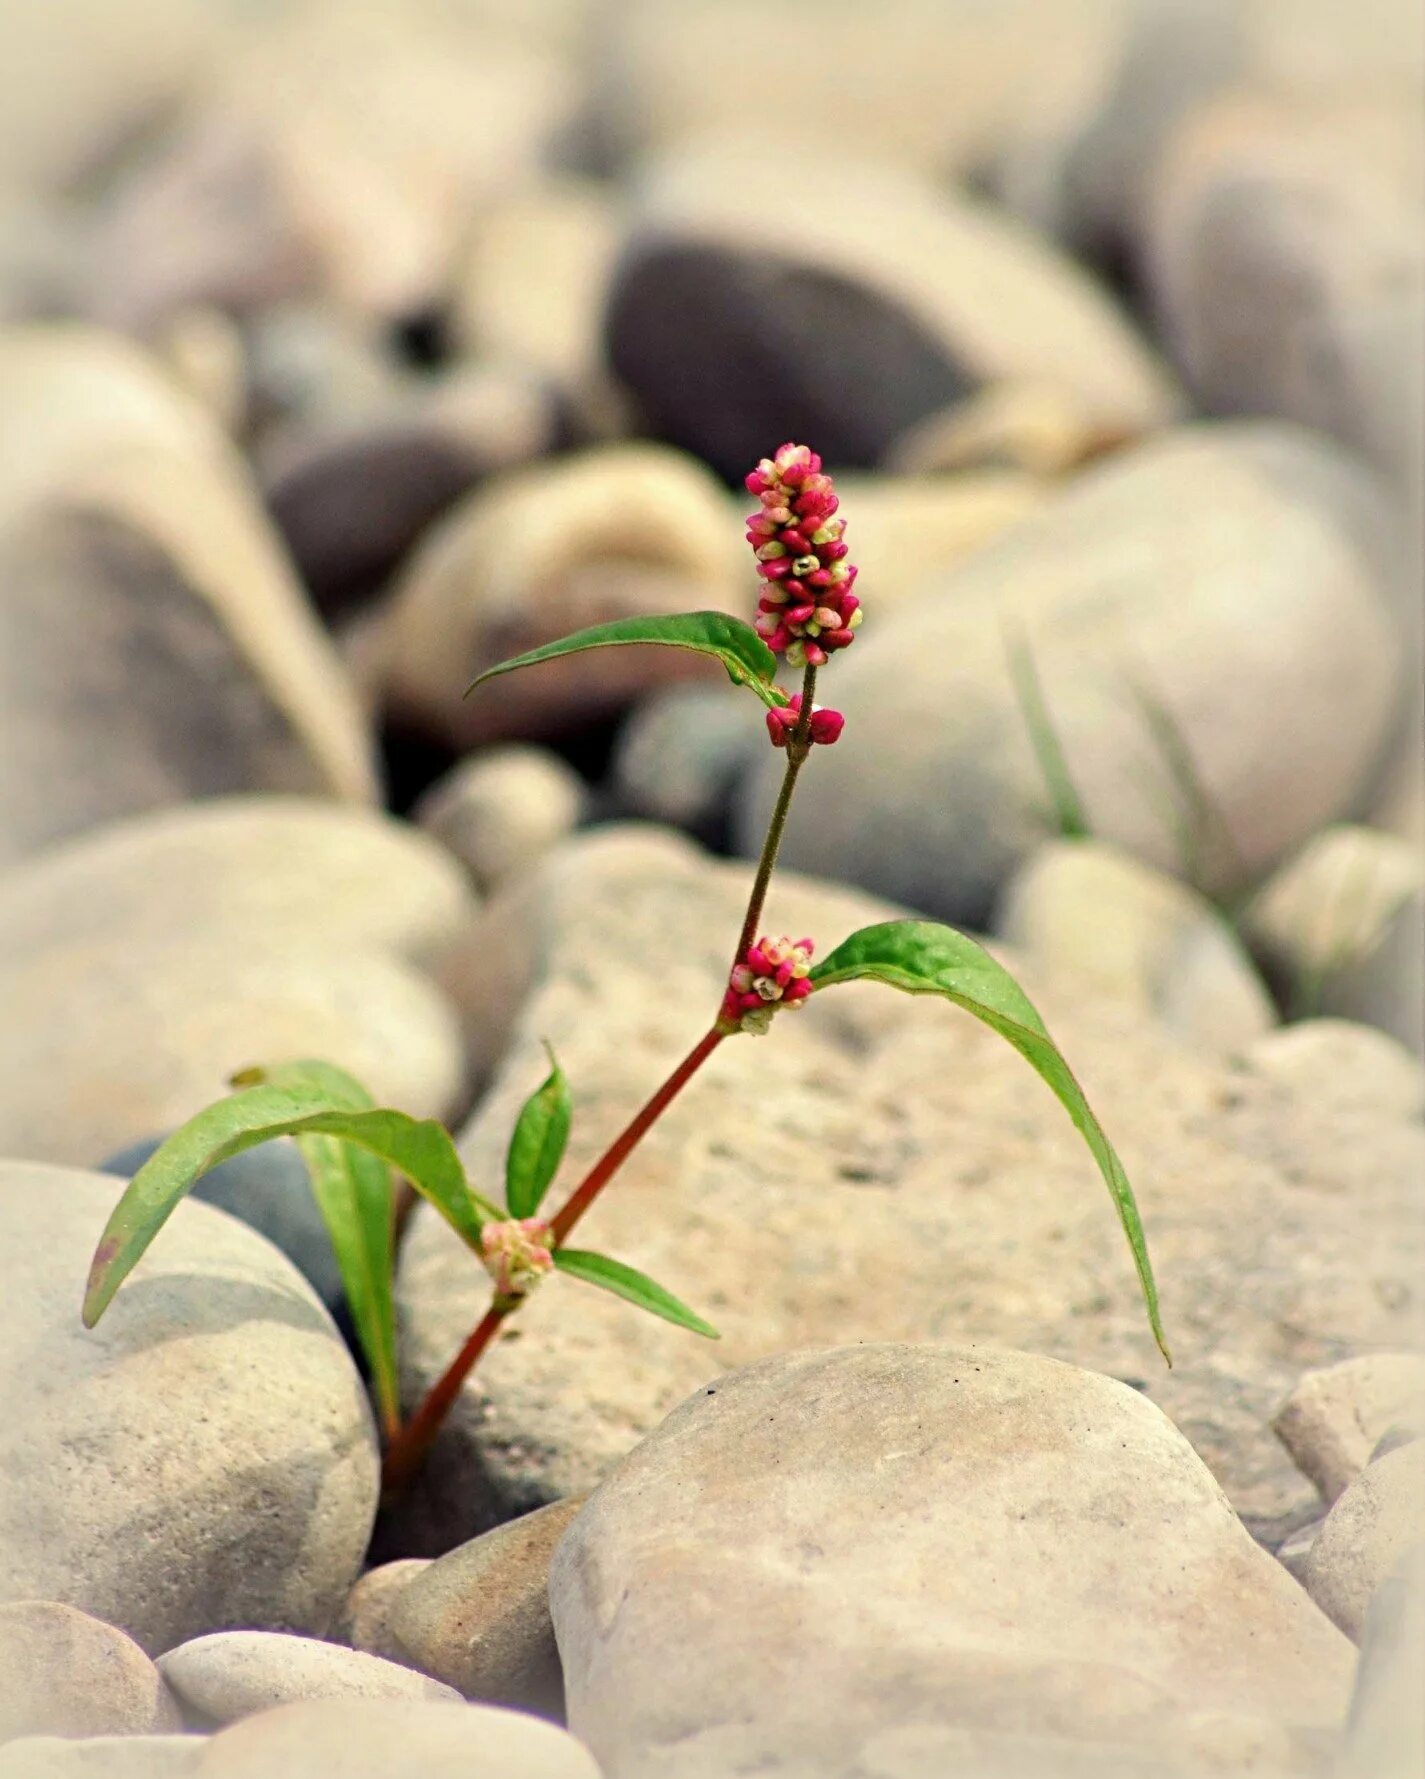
(771, 975)
(807, 608)
(826, 724)
(516, 1255)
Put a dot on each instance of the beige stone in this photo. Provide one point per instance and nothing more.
(393, 1739)
(1367, 1535)
(815, 1552)
(63, 1673)
(617, 531)
(87, 419)
(231, 1674)
(205, 1457)
(1078, 907)
(365, 1621)
(1351, 1066)
(478, 1617)
(881, 1167)
(1335, 1418)
(501, 809)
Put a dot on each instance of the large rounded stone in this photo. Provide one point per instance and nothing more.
(231, 1674)
(196, 941)
(63, 1673)
(393, 1739)
(138, 556)
(818, 1552)
(305, 869)
(205, 1457)
(1079, 907)
(737, 323)
(1187, 699)
(614, 532)
(882, 1168)
(1284, 259)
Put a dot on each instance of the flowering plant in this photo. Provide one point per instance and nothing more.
(352, 1148)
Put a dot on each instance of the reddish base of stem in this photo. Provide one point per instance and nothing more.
(408, 1449)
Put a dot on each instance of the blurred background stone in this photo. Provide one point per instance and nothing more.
(502, 809)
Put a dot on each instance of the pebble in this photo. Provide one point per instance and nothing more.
(1336, 1417)
(231, 1674)
(502, 808)
(478, 1617)
(1367, 1533)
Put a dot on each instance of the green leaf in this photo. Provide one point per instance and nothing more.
(748, 660)
(1044, 739)
(357, 1200)
(537, 1143)
(628, 1282)
(418, 1148)
(921, 957)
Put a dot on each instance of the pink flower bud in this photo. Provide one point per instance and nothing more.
(772, 975)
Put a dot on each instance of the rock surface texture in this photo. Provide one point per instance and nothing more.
(156, 643)
(205, 1457)
(142, 965)
(63, 1673)
(882, 1167)
(922, 1559)
(232, 1674)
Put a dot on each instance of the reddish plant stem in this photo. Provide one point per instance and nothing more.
(407, 1450)
(410, 1445)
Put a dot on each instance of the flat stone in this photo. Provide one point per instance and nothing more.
(205, 1457)
(63, 1673)
(365, 1621)
(911, 1177)
(478, 1617)
(733, 322)
(232, 1674)
(962, 1539)
(1335, 1418)
(393, 1739)
(1366, 1535)
(1147, 655)
(101, 1757)
(1084, 908)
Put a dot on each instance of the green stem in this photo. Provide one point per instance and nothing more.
(798, 747)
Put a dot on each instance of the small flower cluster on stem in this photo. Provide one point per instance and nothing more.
(807, 609)
(769, 977)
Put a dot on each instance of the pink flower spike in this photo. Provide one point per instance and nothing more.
(799, 545)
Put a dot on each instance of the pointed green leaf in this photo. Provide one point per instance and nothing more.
(922, 957)
(628, 1282)
(537, 1143)
(418, 1148)
(747, 659)
(357, 1200)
